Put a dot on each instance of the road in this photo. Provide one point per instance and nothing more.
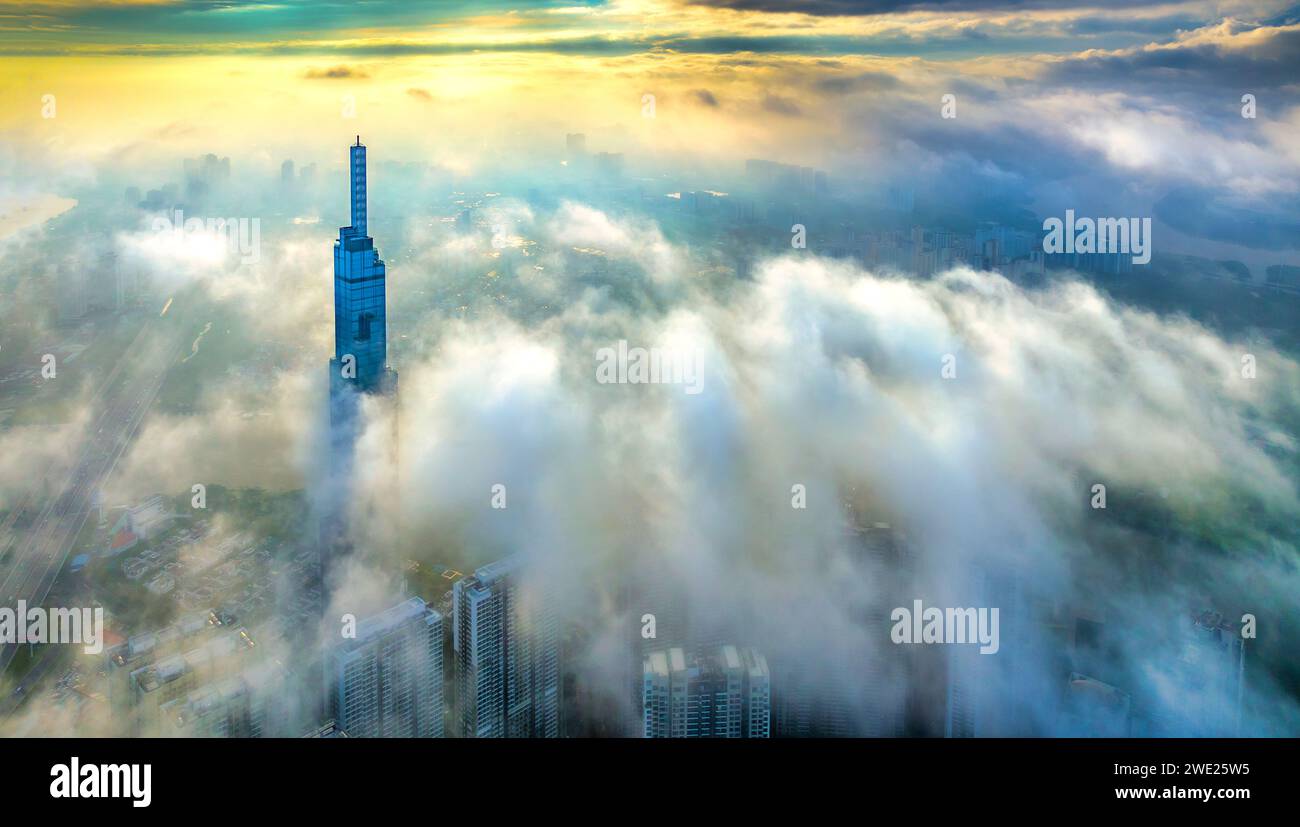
(120, 406)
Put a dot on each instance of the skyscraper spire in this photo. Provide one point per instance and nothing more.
(359, 188)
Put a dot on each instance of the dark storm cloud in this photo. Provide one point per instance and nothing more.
(205, 18)
(1271, 61)
(1148, 25)
(850, 8)
(191, 27)
(595, 45)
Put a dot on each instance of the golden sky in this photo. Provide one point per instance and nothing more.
(463, 83)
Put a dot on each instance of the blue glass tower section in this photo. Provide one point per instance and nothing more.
(360, 316)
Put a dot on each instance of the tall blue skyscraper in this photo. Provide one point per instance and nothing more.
(360, 361)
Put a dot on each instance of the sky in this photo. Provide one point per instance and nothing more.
(1111, 107)
(621, 27)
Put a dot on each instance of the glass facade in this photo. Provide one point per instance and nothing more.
(360, 317)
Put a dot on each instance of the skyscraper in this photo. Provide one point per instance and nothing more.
(996, 695)
(506, 644)
(360, 362)
(724, 694)
(387, 681)
(758, 695)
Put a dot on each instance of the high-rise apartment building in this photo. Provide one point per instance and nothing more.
(506, 643)
(723, 694)
(387, 681)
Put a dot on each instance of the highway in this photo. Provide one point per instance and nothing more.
(121, 404)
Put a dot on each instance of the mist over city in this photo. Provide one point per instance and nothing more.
(650, 368)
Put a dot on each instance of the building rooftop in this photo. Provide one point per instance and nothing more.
(657, 663)
(168, 669)
(730, 657)
(328, 730)
(677, 658)
(492, 571)
(724, 659)
(389, 619)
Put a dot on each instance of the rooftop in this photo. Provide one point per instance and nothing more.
(389, 619)
(492, 571)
